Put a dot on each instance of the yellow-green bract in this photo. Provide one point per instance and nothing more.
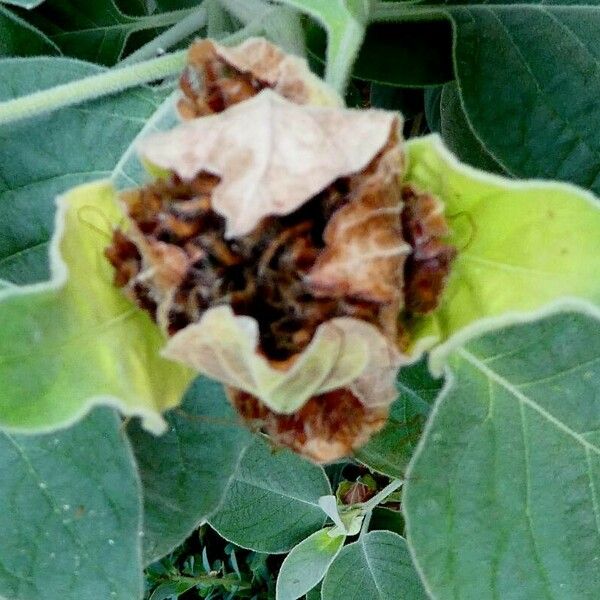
(75, 341)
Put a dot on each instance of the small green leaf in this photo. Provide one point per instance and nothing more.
(378, 565)
(501, 499)
(306, 565)
(186, 471)
(345, 22)
(75, 341)
(521, 244)
(70, 514)
(19, 38)
(272, 502)
(390, 450)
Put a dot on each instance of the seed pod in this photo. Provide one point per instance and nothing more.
(282, 247)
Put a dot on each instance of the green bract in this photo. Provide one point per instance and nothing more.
(74, 341)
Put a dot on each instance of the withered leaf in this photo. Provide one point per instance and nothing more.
(271, 155)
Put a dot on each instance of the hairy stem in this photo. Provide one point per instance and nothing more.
(184, 28)
(382, 495)
(88, 88)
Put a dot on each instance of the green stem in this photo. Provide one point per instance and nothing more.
(88, 88)
(382, 495)
(159, 20)
(181, 30)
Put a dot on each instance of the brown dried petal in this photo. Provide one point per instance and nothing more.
(328, 427)
(365, 251)
(272, 155)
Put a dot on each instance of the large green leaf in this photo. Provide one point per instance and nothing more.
(390, 450)
(378, 566)
(186, 471)
(521, 244)
(458, 135)
(96, 31)
(19, 38)
(75, 341)
(423, 58)
(272, 501)
(70, 514)
(305, 566)
(529, 80)
(502, 499)
(78, 144)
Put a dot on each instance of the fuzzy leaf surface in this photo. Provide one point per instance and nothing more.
(529, 80)
(390, 450)
(79, 144)
(305, 566)
(378, 565)
(186, 471)
(501, 499)
(272, 502)
(521, 244)
(70, 519)
(19, 38)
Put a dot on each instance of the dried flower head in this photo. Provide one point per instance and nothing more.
(281, 248)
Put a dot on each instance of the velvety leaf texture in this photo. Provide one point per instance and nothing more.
(186, 471)
(271, 503)
(390, 450)
(528, 77)
(19, 38)
(79, 144)
(378, 565)
(70, 514)
(501, 499)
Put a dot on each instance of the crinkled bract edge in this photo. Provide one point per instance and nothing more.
(342, 352)
(75, 341)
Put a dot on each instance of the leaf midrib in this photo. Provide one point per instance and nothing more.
(523, 399)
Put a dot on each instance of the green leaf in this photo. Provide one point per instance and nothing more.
(423, 58)
(23, 3)
(75, 341)
(501, 498)
(186, 471)
(305, 566)
(521, 244)
(272, 502)
(79, 144)
(386, 519)
(378, 566)
(314, 594)
(70, 514)
(458, 135)
(529, 80)
(345, 23)
(96, 31)
(390, 450)
(19, 38)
